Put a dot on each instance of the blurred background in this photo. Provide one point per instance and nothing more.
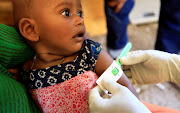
(142, 34)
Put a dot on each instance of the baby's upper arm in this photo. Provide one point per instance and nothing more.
(103, 62)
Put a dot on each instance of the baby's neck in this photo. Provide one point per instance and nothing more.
(46, 60)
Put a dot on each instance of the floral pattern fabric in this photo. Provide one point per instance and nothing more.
(70, 96)
(85, 61)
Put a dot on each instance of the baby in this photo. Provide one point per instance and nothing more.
(55, 30)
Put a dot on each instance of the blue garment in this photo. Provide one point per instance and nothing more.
(168, 38)
(85, 61)
(117, 24)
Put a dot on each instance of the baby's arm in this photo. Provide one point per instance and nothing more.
(103, 62)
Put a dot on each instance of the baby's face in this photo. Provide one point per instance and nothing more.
(60, 25)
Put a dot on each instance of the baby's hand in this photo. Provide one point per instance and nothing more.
(14, 72)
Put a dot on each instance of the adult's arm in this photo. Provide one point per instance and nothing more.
(116, 4)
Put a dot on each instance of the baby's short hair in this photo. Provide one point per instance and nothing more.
(20, 10)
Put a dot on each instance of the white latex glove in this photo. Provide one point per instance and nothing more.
(151, 67)
(122, 100)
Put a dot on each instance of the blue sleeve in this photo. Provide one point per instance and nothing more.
(94, 48)
(92, 51)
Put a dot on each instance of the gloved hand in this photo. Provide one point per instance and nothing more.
(122, 100)
(116, 4)
(151, 67)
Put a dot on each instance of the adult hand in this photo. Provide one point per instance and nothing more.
(122, 100)
(151, 67)
(116, 4)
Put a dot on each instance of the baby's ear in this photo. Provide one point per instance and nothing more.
(28, 29)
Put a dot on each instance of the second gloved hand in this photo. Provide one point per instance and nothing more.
(121, 101)
(151, 67)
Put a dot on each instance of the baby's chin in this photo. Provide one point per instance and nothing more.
(76, 49)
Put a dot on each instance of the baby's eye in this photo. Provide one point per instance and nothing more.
(80, 14)
(66, 13)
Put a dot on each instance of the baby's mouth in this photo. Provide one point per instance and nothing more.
(79, 35)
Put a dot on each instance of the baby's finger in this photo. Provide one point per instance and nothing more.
(13, 70)
(125, 67)
(128, 73)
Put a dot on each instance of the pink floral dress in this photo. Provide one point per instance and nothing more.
(64, 88)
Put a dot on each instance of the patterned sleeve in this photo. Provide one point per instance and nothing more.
(93, 50)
